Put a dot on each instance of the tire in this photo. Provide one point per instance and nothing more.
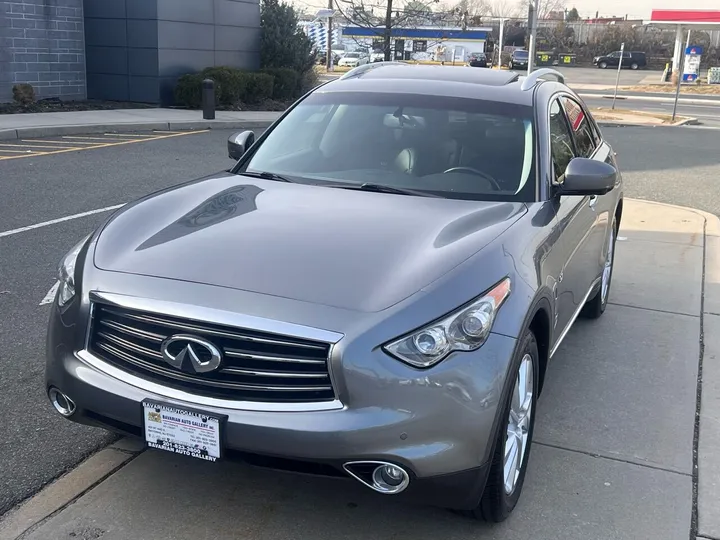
(634, 66)
(603, 65)
(497, 503)
(510, 65)
(595, 307)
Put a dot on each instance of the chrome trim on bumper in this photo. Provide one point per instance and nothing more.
(196, 400)
(216, 316)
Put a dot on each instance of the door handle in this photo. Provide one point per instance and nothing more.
(593, 201)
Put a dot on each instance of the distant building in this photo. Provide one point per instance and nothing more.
(124, 50)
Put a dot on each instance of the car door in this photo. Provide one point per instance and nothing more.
(589, 144)
(614, 59)
(576, 219)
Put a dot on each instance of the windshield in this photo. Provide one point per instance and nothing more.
(449, 147)
(521, 55)
(352, 55)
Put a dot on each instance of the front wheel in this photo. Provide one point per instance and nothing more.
(603, 65)
(512, 448)
(595, 307)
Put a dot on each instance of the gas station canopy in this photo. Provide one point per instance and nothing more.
(697, 19)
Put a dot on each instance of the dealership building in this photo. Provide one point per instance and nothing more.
(124, 50)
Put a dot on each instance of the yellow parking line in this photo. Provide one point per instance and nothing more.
(119, 143)
(29, 146)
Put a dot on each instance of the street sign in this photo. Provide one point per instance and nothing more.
(691, 69)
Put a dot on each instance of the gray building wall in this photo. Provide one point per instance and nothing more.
(136, 49)
(41, 43)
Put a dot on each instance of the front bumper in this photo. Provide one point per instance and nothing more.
(438, 424)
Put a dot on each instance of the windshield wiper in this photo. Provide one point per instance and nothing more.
(379, 188)
(266, 176)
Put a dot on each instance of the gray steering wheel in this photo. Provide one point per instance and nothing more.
(486, 176)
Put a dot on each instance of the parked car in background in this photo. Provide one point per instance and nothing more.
(377, 56)
(321, 57)
(519, 59)
(354, 59)
(632, 60)
(374, 291)
(477, 59)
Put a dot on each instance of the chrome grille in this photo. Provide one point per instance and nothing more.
(256, 366)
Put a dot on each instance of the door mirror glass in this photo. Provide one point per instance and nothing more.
(238, 144)
(585, 176)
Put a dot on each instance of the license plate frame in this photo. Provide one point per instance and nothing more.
(194, 426)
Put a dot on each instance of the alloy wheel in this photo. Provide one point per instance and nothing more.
(607, 269)
(519, 420)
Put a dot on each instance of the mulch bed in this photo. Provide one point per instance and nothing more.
(55, 105)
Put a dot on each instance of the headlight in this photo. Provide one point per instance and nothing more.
(66, 273)
(466, 329)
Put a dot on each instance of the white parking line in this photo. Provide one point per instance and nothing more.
(50, 296)
(59, 220)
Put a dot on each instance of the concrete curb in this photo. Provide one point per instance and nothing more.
(684, 122)
(710, 102)
(52, 131)
(68, 488)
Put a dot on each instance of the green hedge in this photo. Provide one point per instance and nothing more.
(286, 82)
(259, 87)
(188, 91)
(230, 83)
(234, 85)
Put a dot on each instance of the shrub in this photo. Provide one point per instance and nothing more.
(24, 94)
(286, 83)
(230, 83)
(188, 91)
(259, 87)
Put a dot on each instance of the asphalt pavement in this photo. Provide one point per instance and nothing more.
(675, 165)
(36, 445)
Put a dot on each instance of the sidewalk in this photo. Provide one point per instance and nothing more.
(612, 457)
(18, 126)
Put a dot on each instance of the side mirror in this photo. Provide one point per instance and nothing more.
(585, 176)
(238, 143)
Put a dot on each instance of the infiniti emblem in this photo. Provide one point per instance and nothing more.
(191, 354)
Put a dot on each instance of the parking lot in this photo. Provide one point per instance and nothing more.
(613, 452)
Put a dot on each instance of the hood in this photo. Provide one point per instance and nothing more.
(349, 249)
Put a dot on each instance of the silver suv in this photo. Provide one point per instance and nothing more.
(374, 291)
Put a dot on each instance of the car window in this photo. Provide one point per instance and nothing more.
(561, 140)
(582, 132)
(461, 148)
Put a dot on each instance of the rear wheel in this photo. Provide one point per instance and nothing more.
(634, 66)
(595, 307)
(512, 449)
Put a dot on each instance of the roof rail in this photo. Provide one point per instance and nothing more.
(533, 77)
(354, 72)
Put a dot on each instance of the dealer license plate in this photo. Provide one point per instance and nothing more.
(182, 431)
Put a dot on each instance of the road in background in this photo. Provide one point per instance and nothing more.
(707, 111)
(674, 165)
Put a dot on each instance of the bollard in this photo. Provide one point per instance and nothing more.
(208, 99)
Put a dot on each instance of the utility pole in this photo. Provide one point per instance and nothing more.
(388, 29)
(502, 42)
(532, 24)
(680, 76)
(329, 59)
